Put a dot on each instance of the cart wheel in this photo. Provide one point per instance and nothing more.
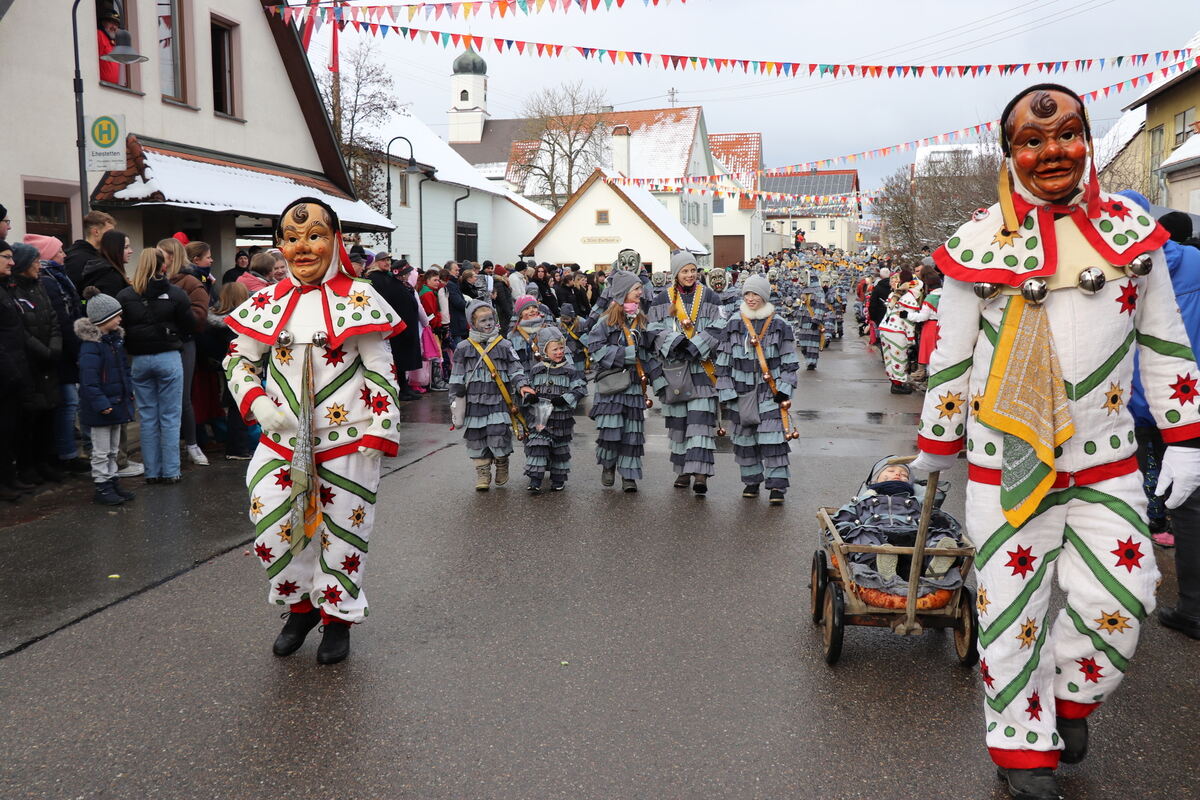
(818, 582)
(834, 611)
(966, 630)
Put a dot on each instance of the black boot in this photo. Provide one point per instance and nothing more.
(335, 644)
(1174, 618)
(683, 481)
(294, 630)
(750, 491)
(901, 388)
(776, 497)
(1074, 733)
(105, 495)
(608, 476)
(124, 493)
(1031, 784)
(700, 485)
(628, 485)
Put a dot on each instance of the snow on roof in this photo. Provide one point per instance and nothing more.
(659, 214)
(1188, 151)
(1110, 145)
(660, 139)
(428, 149)
(740, 153)
(211, 186)
(533, 208)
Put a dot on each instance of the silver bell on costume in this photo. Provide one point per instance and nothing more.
(1092, 280)
(320, 338)
(1034, 290)
(284, 339)
(1140, 266)
(985, 290)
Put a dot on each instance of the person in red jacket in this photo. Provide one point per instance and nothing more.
(106, 35)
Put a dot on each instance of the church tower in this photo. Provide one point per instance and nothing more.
(468, 85)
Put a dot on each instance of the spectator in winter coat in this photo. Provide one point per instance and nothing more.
(95, 225)
(199, 266)
(43, 349)
(156, 317)
(241, 263)
(405, 345)
(106, 390)
(15, 378)
(458, 306)
(518, 278)
(259, 274)
(107, 271)
(212, 346)
(503, 296)
(175, 267)
(67, 308)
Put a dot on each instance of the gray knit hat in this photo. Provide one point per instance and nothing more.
(679, 260)
(549, 334)
(759, 286)
(101, 308)
(566, 310)
(622, 283)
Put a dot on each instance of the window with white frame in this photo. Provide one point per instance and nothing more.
(171, 51)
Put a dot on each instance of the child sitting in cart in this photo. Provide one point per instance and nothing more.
(887, 511)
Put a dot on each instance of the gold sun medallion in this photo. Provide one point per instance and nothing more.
(1112, 622)
(1028, 634)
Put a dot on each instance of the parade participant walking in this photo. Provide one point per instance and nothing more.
(810, 328)
(559, 381)
(685, 320)
(328, 413)
(572, 329)
(626, 370)
(487, 382)
(756, 377)
(896, 332)
(1046, 294)
(523, 336)
(105, 392)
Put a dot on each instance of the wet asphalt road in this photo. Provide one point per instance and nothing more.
(586, 644)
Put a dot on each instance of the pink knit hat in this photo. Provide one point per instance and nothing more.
(47, 246)
(522, 301)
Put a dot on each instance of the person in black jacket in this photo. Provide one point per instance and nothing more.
(107, 271)
(406, 345)
(95, 225)
(156, 316)
(458, 307)
(43, 349)
(15, 379)
(877, 306)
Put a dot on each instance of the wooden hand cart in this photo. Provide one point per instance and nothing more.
(836, 603)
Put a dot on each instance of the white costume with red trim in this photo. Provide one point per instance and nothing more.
(1091, 525)
(897, 331)
(321, 352)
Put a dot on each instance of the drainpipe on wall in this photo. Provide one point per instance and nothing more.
(454, 232)
(421, 217)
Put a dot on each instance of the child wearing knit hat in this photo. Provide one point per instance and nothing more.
(105, 391)
(558, 380)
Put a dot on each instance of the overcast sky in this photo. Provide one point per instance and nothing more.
(801, 119)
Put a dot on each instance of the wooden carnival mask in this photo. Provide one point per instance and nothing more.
(308, 242)
(1048, 139)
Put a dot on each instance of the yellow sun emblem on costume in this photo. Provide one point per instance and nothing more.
(336, 414)
(359, 299)
(976, 403)
(1005, 237)
(982, 602)
(1114, 399)
(951, 405)
(285, 531)
(1112, 622)
(283, 354)
(248, 367)
(324, 540)
(256, 506)
(1028, 634)
(358, 516)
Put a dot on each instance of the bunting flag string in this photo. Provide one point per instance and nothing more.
(371, 20)
(846, 200)
(949, 137)
(464, 9)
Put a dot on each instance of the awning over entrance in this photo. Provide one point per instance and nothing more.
(159, 174)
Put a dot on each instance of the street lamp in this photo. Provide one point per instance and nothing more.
(408, 170)
(122, 53)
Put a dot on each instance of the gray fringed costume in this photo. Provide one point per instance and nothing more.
(811, 318)
(488, 427)
(550, 448)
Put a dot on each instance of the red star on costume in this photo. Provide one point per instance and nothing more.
(1090, 669)
(283, 478)
(1128, 298)
(331, 595)
(286, 588)
(334, 356)
(380, 404)
(350, 564)
(263, 552)
(395, 374)
(1021, 561)
(1185, 389)
(986, 674)
(365, 395)
(1129, 554)
(1115, 208)
(260, 300)
(327, 495)
(1034, 710)
(232, 348)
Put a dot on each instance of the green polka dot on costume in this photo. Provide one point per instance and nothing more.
(340, 306)
(991, 727)
(356, 316)
(990, 448)
(1010, 731)
(1143, 220)
(243, 313)
(958, 429)
(1031, 243)
(1054, 739)
(316, 440)
(279, 602)
(1114, 442)
(954, 242)
(387, 423)
(1106, 225)
(333, 436)
(1028, 223)
(920, 424)
(1132, 235)
(1071, 687)
(292, 442)
(1010, 261)
(276, 309)
(248, 379)
(1130, 436)
(938, 430)
(1172, 415)
(1058, 670)
(352, 432)
(375, 315)
(970, 444)
(275, 437)
(1120, 239)
(967, 255)
(341, 321)
(1031, 737)
(256, 318)
(1031, 263)
(1089, 448)
(268, 324)
(988, 257)
(1098, 698)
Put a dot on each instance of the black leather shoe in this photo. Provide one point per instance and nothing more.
(1173, 618)
(294, 630)
(700, 485)
(608, 476)
(901, 388)
(1030, 784)
(776, 497)
(1074, 733)
(750, 491)
(683, 481)
(121, 491)
(335, 644)
(628, 485)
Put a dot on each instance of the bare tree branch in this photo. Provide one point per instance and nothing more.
(568, 131)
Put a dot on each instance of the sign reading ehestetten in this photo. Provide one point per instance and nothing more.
(104, 142)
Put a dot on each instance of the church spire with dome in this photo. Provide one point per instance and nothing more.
(468, 85)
